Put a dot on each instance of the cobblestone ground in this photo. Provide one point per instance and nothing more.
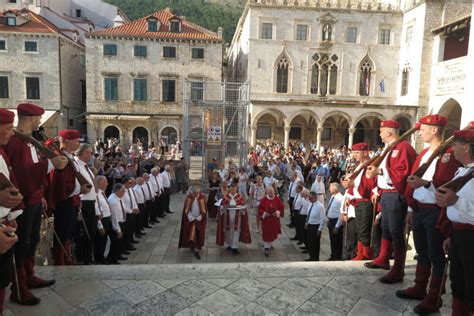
(151, 282)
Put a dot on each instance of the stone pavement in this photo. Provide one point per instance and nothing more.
(152, 283)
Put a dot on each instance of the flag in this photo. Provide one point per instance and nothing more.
(382, 86)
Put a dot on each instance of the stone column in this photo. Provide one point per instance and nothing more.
(351, 137)
(253, 135)
(287, 136)
(318, 138)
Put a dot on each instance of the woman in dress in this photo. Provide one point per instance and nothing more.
(214, 187)
(257, 192)
(243, 179)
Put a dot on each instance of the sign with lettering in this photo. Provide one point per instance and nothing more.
(450, 77)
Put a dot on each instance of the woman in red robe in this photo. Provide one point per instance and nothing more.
(269, 212)
(193, 221)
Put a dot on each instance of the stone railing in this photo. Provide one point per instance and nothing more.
(375, 5)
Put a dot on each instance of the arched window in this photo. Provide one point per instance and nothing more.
(314, 79)
(333, 80)
(324, 80)
(365, 77)
(324, 74)
(405, 79)
(282, 75)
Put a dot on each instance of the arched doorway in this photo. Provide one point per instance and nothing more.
(141, 134)
(453, 111)
(303, 127)
(111, 132)
(405, 124)
(269, 126)
(367, 131)
(170, 135)
(335, 131)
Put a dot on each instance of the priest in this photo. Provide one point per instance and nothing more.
(193, 221)
(270, 210)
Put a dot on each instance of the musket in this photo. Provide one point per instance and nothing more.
(5, 184)
(457, 184)
(54, 145)
(50, 154)
(60, 243)
(85, 226)
(361, 167)
(374, 211)
(436, 153)
(443, 280)
(15, 271)
(389, 147)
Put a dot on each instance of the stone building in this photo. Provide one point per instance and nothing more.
(136, 73)
(41, 64)
(325, 71)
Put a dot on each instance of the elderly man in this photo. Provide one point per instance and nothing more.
(157, 188)
(118, 220)
(149, 200)
(193, 221)
(166, 181)
(104, 225)
(270, 210)
(140, 216)
(314, 226)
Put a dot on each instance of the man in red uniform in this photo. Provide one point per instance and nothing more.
(233, 221)
(423, 214)
(193, 222)
(31, 171)
(10, 198)
(270, 210)
(360, 198)
(392, 182)
(64, 198)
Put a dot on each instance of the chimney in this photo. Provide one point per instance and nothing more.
(219, 32)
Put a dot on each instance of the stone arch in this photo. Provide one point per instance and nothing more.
(336, 126)
(277, 114)
(283, 66)
(338, 113)
(111, 131)
(308, 114)
(453, 111)
(142, 133)
(405, 122)
(369, 114)
(166, 130)
(366, 129)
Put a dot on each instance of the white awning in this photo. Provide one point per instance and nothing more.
(119, 117)
(48, 114)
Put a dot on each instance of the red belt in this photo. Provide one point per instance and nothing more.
(389, 191)
(361, 200)
(461, 226)
(428, 206)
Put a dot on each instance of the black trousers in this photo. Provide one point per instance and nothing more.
(376, 238)
(115, 245)
(364, 218)
(28, 232)
(85, 245)
(461, 254)
(157, 209)
(314, 242)
(335, 239)
(299, 222)
(140, 218)
(129, 230)
(394, 210)
(65, 218)
(148, 209)
(350, 248)
(292, 215)
(6, 267)
(100, 242)
(166, 199)
(428, 240)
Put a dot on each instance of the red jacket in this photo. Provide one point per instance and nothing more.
(399, 165)
(63, 183)
(12, 176)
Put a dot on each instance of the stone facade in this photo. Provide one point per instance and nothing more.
(153, 118)
(344, 115)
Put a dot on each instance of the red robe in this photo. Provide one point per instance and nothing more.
(244, 225)
(63, 183)
(31, 177)
(192, 234)
(399, 165)
(271, 227)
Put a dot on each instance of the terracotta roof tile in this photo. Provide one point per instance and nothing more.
(36, 23)
(189, 31)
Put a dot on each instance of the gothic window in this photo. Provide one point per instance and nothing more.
(324, 74)
(365, 77)
(405, 79)
(282, 75)
(327, 32)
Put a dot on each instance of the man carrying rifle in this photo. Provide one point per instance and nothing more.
(31, 171)
(423, 214)
(361, 192)
(458, 197)
(392, 177)
(64, 197)
(10, 198)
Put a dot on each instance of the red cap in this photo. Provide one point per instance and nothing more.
(360, 146)
(70, 134)
(466, 136)
(390, 124)
(6, 116)
(434, 119)
(29, 109)
(471, 125)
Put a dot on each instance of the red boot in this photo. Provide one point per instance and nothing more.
(397, 272)
(32, 281)
(26, 298)
(417, 291)
(432, 301)
(359, 255)
(58, 256)
(459, 307)
(68, 260)
(367, 252)
(382, 261)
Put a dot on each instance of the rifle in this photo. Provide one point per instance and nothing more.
(387, 149)
(358, 170)
(436, 153)
(41, 148)
(5, 184)
(56, 148)
(457, 184)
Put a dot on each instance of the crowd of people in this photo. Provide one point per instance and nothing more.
(364, 198)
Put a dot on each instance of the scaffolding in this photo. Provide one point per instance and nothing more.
(215, 124)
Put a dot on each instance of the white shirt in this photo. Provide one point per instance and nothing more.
(383, 181)
(357, 181)
(223, 174)
(129, 201)
(116, 212)
(83, 170)
(165, 179)
(195, 212)
(298, 202)
(139, 194)
(305, 204)
(350, 211)
(463, 210)
(316, 215)
(292, 189)
(4, 212)
(148, 188)
(268, 181)
(156, 184)
(318, 187)
(334, 208)
(422, 194)
(101, 207)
